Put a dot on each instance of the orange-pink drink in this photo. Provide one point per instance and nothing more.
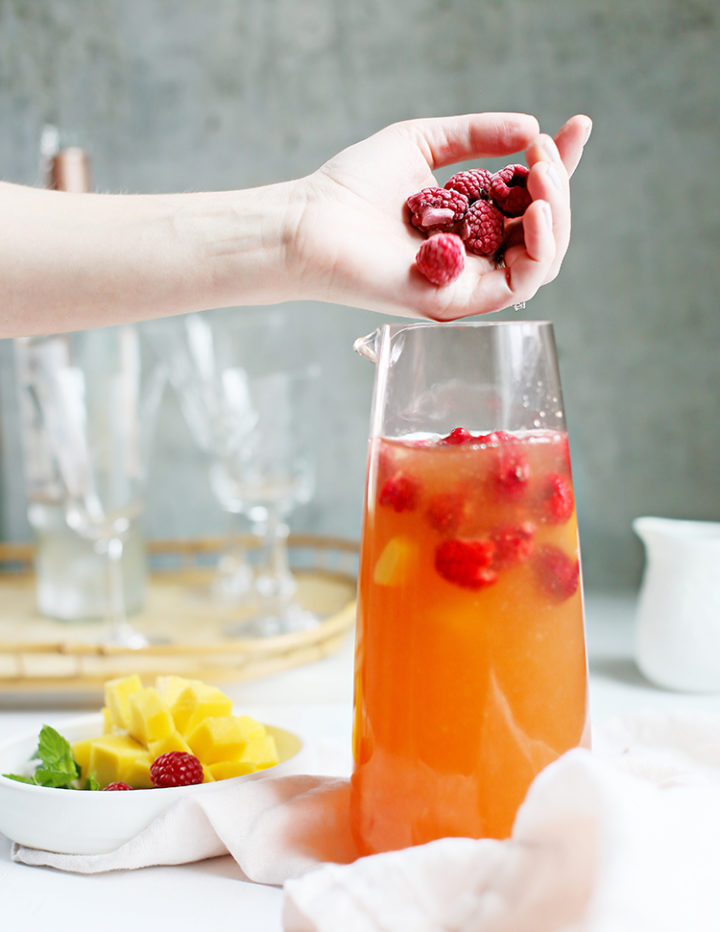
(470, 669)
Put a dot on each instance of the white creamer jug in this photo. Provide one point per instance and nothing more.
(677, 637)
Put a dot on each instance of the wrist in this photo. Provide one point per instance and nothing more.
(244, 243)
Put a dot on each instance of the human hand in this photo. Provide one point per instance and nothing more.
(354, 244)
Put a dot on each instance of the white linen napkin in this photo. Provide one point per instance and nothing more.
(622, 839)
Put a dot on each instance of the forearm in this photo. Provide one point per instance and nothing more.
(71, 261)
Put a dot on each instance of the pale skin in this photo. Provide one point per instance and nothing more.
(341, 235)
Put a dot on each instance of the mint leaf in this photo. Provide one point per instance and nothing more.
(57, 766)
(19, 778)
(92, 782)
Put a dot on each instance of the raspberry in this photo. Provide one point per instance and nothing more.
(457, 436)
(508, 190)
(445, 511)
(176, 768)
(556, 573)
(556, 497)
(514, 543)
(436, 209)
(400, 493)
(466, 563)
(441, 258)
(513, 470)
(474, 184)
(483, 228)
(118, 785)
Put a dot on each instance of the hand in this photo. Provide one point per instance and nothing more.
(354, 244)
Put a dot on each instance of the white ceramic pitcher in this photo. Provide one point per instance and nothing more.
(677, 637)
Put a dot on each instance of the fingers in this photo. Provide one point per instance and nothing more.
(548, 181)
(571, 139)
(527, 268)
(445, 140)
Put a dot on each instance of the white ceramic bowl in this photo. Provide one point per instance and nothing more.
(83, 822)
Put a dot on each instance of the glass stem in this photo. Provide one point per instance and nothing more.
(273, 581)
(118, 629)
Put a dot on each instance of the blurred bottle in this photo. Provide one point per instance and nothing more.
(70, 574)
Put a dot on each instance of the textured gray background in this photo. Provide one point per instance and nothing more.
(183, 96)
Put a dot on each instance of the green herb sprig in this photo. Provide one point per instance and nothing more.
(57, 767)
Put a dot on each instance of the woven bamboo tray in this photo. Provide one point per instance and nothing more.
(39, 656)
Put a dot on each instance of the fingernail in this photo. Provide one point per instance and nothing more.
(553, 175)
(547, 214)
(550, 150)
(588, 130)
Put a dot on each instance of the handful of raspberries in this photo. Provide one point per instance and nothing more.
(467, 214)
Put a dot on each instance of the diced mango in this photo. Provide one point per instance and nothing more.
(261, 751)
(119, 758)
(170, 687)
(207, 775)
(196, 702)
(395, 564)
(221, 738)
(150, 719)
(172, 742)
(117, 698)
(225, 769)
(108, 724)
(81, 754)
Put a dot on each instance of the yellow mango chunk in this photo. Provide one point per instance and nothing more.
(117, 699)
(81, 754)
(207, 775)
(226, 769)
(172, 742)
(261, 751)
(221, 738)
(150, 719)
(119, 758)
(397, 561)
(170, 687)
(109, 725)
(196, 702)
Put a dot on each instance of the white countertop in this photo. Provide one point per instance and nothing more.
(315, 701)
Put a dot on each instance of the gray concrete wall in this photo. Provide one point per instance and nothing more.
(184, 95)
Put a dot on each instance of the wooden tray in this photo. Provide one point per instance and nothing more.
(39, 655)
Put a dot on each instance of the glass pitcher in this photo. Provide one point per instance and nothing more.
(470, 670)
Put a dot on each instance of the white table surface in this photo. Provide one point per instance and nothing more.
(315, 701)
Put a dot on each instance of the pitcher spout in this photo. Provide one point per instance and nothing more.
(367, 346)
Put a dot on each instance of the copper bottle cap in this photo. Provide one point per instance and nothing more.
(70, 171)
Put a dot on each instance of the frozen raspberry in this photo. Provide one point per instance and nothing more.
(176, 768)
(512, 473)
(556, 499)
(457, 436)
(445, 511)
(508, 190)
(435, 209)
(441, 258)
(483, 228)
(118, 785)
(557, 573)
(474, 184)
(514, 543)
(466, 563)
(400, 493)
